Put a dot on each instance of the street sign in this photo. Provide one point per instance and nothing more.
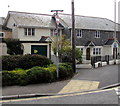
(115, 45)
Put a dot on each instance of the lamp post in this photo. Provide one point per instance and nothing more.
(115, 32)
(73, 38)
(57, 23)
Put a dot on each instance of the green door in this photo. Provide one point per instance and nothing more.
(39, 49)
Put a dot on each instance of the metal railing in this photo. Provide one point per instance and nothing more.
(105, 58)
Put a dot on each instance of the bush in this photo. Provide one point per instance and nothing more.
(52, 69)
(36, 75)
(39, 75)
(15, 77)
(65, 50)
(10, 62)
(24, 61)
(14, 46)
(65, 71)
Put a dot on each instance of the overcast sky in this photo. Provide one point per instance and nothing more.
(95, 8)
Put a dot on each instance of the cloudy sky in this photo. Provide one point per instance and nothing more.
(95, 8)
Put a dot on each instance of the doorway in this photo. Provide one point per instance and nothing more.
(88, 54)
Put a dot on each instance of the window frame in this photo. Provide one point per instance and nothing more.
(79, 33)
(97, 34)
(29, 31)
(97, 51)
(3, 34)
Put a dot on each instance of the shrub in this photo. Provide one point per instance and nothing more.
(24, 61)
(39, 75)
(15, 77)
(65, 71)
(14, 46)
(52, 69)
(36, 75)
(65, 50)
(10, 62)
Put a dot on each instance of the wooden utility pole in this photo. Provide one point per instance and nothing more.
(73, 38)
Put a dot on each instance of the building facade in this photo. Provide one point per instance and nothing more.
(33, 31)
(94, 35)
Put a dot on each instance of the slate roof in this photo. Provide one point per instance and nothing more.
(24, 19)
(5, 28)
(86, 22)
(89, 43)
(46, 39)
(109, 42)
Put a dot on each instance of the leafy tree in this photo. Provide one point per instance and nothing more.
(65, 50)
(14, 46)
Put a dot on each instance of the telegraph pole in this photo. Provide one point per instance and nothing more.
(73, 39)
(57, 23)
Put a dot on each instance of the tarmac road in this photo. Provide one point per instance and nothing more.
(106, 75)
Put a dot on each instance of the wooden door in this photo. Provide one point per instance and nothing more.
(88, 54)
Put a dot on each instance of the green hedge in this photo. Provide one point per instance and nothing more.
(36, 75)
(12, 62)
(65, 71)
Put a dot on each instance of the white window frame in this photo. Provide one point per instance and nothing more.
(32, 31)
(3, 34)
(96, 51)
(79, 33)
(97, 34)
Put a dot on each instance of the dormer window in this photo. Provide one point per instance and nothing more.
(1, 34)
(97, 34)
(79, 33)
(29, 31)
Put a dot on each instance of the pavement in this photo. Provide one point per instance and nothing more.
(79, 86)
(76, 84)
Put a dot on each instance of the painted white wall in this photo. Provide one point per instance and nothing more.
(38, 33)
(3, 49)
(27, 47)
(107, 50)
(10, 24)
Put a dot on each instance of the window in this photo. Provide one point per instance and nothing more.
(97, 34)
(96, 51)
(99, 50)
(1, 34)
(33, 31)
(79, 33)
(29, 31)
(81, 49)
